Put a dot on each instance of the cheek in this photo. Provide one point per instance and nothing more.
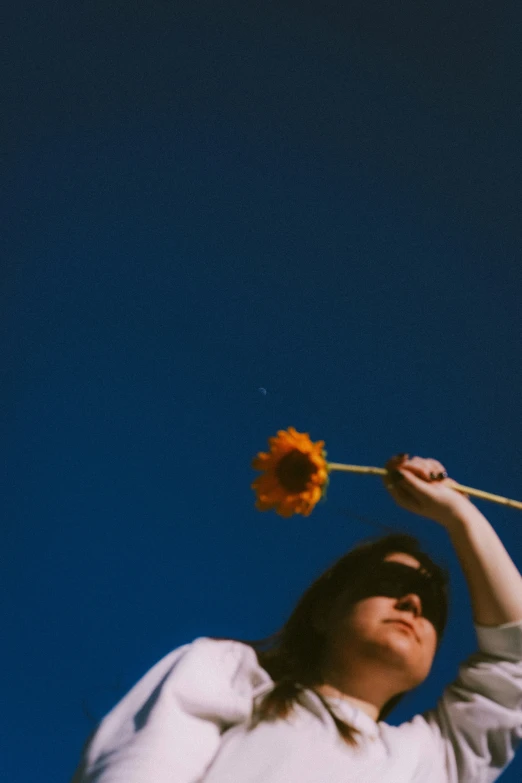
(370, 612)
(432, 640)
(429, 644)
(429, 634)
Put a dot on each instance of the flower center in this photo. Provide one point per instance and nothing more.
(294, 471)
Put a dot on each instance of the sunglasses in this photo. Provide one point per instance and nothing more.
(396, 580)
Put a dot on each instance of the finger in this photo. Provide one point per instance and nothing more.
(397, 459)
(437, 470)
(428, 469)
(391, 465)
(419, 487)
(399, 489)
(439, 475)
(414, 483)
(417, 467)
(395, 480)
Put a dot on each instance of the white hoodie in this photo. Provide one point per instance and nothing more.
(187, 721)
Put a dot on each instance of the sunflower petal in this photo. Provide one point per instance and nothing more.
(294, 474)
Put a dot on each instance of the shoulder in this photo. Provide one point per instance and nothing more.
(205, 677)
(219, 665)
(228, 652)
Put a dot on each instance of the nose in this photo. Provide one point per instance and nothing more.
(410, 603)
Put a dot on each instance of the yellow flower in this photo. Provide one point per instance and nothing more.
(295, 474)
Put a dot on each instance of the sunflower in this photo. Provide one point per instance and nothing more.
(295, 474)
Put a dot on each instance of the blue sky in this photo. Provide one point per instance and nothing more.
(202, 200)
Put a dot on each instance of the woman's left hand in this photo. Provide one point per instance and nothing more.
(422, 486)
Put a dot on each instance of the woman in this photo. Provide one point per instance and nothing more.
(310, 708)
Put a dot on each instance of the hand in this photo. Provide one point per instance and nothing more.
(422, 486)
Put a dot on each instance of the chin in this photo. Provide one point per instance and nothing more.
(401, 656)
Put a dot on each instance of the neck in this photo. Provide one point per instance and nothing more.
(368, 687)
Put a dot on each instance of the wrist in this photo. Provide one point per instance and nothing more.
(459, 512)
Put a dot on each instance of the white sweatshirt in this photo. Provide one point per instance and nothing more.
(187, 720)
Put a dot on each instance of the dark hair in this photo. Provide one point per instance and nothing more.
(292, 656)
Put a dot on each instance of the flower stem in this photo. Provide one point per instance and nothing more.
(478, 493)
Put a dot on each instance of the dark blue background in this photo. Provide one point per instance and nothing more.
(321, 199)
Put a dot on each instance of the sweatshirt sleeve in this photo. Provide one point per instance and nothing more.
(169, 725)
(476, 725)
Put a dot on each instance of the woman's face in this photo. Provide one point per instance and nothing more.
(375, 632)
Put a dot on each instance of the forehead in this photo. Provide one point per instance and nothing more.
(403, 557)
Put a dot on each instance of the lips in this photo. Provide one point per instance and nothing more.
(406, 624)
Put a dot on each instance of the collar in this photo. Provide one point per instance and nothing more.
(349, 713)
(342, 709)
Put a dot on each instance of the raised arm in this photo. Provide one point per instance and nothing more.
(476, 726)
(494, 582)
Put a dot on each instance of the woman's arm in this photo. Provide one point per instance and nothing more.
(494, 581)
(476, 725)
